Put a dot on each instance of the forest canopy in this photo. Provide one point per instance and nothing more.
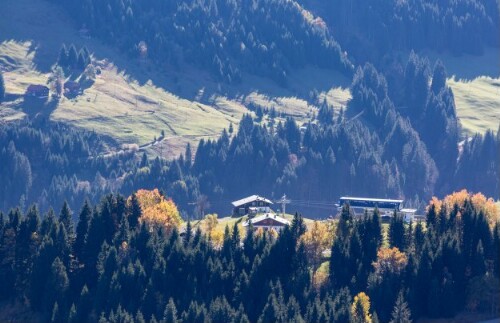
(112, 268)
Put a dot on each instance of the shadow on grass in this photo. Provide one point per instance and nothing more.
(39, 109)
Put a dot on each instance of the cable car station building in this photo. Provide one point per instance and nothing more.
(386, 207)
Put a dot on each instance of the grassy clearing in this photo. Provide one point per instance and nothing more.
(478, 103)
(475, 81)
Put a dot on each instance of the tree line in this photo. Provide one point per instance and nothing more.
(226, 38)
(114, 267)
(369, 33)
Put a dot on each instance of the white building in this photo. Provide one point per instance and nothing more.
(268, 221)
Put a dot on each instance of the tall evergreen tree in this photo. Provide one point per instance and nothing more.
(397, 234)
(170, 314)
(63, 56)
(82, 229)
(72, 56)
(134, 212)
(57, 285)
(2, 88)
(65, 217)
(401, 312)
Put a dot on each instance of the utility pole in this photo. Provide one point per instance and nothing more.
(284, 201)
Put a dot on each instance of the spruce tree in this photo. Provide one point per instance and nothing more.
(496, 248)
(55, 316)
(81, 61)
(72, 56)
(65, 217)
(188, 234)
(401, 312)
(419, 237)
(82, 228)
(2, 88)
(170, 314)
(188, 156)
(63, 56)
(438, 77)
(58, 284)
(397, 231)
(134, 212)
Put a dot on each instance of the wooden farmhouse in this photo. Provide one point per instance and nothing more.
(251, 205)
(267, 221)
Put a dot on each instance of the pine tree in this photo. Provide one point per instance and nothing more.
(419, 237)
(134, 212)
(144, 161)
(2, 87)
(496, 248)
(56, 314)
(72, 314)
(170, 314)
(438, 77)
(345, 223)
(65, 217)
(397, 231)
(63, 56)
(72, 56)
(123, 234)
(298, 226)
(82, 228)
(478, 260)
(401, 313)
(86, 55)
(188, 156)
(188, 234)
(27, 242)
(84, 305)
(58, 284)
(81, 61)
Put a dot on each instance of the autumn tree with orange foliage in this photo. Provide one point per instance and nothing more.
(479, 202)
(157, 211)
(385, 282)
(390, 260)
(317, 239)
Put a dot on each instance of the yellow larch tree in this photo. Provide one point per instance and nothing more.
(390, 260)
(157, 211)
(360, 309)
(480, 203)
(317, 239)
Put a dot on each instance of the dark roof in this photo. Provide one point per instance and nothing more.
(253, 198)
(366, 202)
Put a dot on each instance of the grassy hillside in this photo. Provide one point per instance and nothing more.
(131, 101)
(478, 103)
(475, 81)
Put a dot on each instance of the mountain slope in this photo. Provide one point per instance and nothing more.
(131, 101)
